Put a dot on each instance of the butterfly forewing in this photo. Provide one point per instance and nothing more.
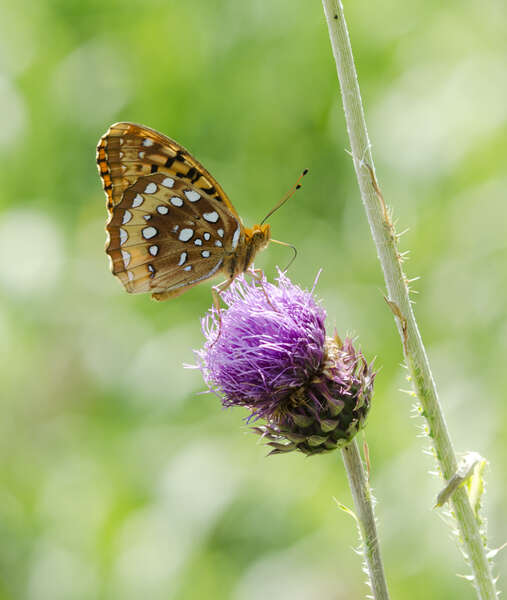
(129, 151)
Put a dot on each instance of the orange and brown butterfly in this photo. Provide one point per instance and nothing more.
(170, 223)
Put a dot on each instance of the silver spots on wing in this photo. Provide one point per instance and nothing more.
(175, 201)
(127, 215)
(151, 188)
(205, 276)
(185, 234)
(147, 142)
(142, 154)
(152, 271)
(218, 243)
(146, 217)
(183, 258)
(187, 268)
(235, 237)
(162, 210)
(205, 253)
(149, 232)
(206, 236)
(168, 182)
(220, 232)
(153, 250)
(192, 196)
(198, 242)
(126, 258)
(137, 201)
(211, 217)
(124, 236)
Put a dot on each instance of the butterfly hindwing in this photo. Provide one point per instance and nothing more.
(166, 235)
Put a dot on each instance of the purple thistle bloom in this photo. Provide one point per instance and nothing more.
(268, 351)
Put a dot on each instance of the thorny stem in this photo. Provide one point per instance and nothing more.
(363, 502)
(398, 300)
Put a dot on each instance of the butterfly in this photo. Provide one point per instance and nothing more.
(171, 225)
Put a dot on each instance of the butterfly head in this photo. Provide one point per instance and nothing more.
(256, 239)
(258, 235)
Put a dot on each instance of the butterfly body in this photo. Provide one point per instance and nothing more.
(170, 223)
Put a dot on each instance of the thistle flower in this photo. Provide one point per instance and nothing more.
(268, 352)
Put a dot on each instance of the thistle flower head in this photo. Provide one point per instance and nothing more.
(268, 351)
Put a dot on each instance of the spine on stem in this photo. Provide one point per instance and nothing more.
(472, 541)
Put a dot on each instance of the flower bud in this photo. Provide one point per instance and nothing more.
(268, 351)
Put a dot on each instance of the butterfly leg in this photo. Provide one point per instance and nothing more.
(257, 275)
(217, 290)
(215, 294)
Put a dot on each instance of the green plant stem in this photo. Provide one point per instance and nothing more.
(385, 240)
(363, 502)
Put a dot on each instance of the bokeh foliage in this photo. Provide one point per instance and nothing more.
(117, 480)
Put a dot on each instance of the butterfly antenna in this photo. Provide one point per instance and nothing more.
(294, 249)
(290, 193)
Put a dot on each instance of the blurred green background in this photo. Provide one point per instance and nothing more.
(117, 479)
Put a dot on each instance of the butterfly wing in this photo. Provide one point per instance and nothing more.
(128, 151)
(165, 236)
(171, 225)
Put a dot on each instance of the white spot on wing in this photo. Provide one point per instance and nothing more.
(183, 258)
(153, 250)
(175, 201)
(220, 232)
(186, 234)
(142, 154)
(151, 188)
(211, 217)
(205, 253)
(205, 276)
(137, 201)
(124, 236)
(149, 232)
(198, 242)
(192, 196)
(162, 210)
(146, 217)
(235, 237)
(218, 243)
(126, 258)
(187, 268)
(206, 236)
(127, 215)
(168, 182)
(147, 142)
